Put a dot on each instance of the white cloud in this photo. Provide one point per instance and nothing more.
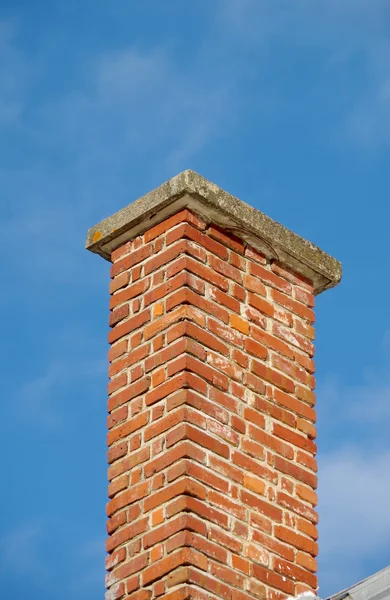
(349, 39)
(363, 404)
(20, 551)
(354, 475)
(354, 525)
(136, 103)
(132, 110)
(37, 399)
(43, 551)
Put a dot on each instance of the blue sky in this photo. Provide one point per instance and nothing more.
(284, 104)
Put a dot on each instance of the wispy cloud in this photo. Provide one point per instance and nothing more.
(131, 110)
(27, 551)
(354, 517)
(39, 400)
(140, 102)
(20, 551)
(354, 480)
(348, 40)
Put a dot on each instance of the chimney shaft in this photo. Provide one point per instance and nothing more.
(211, 426)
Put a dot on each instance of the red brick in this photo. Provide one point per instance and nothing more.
(249, 464)
(127, 533)
(223, 502)
(237, 261)
(205, 440)
(163, 390)
(270, 278)
(132, 391)
(204, 406)
(307, 528)
(273, 579)
(118, 350)
(179, 217)
(166, 256)
(164, 566)
(225, 269)
(270, 441)
(241, 564)
(131, 259)
(303, 296)
(294, 438)
(185, 521)
(297, 507)
(296, 307)
(273, 545)
(141, 595)
(292, 469)
(116, 521)
(227, 541)
(293, 338)
(130, 359)
(186, 231)
(227, 238)
(257, 554)
(292, 276)
(164, 322)
(306, 395)
(227, 333)
(271, 341)
(208, 548)
(295, 540)
(128, 326)
(296, 406)
(239, 324)
(127, 428)
(117, 452)
(272, 376)
(254, 254)
(115, 558)
(306, 561)
(254, 316)
(129, 293)
(206, 273)
(254, 483)
(222, 298)
(132, 566)
(119, 282)
(308, 461)
(184, 486)
(268, 510)
(256, 349)
(116, 383)
(226, 574)
(294, 572)
(212, 585)
(129, 463)
(127, 498)
(122, 250)
(307, 428)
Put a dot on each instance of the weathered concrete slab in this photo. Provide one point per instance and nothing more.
(188, 189)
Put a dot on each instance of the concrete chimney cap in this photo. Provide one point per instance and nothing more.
(214, 205)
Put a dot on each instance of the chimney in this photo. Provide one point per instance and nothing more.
(211, 426)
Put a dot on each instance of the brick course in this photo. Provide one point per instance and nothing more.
(211, 423)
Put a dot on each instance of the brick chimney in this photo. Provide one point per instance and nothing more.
(211, 426)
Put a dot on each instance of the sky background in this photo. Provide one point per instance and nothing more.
(285, 104)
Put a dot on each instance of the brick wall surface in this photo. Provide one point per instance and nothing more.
(211, 420)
